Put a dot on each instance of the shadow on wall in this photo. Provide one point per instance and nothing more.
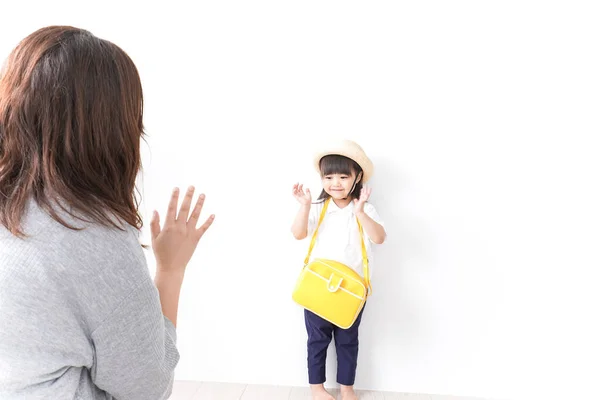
(392, 324)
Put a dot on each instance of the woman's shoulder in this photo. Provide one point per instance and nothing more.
(87, 242)
(89, 254)
(40, 221)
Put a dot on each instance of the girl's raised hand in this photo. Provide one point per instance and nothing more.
(359, 204)
(302, 196)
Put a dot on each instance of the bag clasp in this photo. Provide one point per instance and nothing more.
(331, 286)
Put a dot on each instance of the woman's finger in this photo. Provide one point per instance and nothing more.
(200, 231)
(197, 210)
(155, 225)
(172, 210)
(184, 210)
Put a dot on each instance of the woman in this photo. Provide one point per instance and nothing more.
(80, 317)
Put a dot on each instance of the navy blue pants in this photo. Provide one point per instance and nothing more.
(320, 333)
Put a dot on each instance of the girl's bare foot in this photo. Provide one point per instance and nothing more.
(348, 393)
(319, 393)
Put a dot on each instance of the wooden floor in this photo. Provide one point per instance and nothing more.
(187, 390)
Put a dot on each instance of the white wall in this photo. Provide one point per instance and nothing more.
(482, 121)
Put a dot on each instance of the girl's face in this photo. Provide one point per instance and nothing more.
(338, 186)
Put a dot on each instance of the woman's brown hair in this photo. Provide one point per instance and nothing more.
(71, 110)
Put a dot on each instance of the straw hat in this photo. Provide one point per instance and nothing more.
(349, 149)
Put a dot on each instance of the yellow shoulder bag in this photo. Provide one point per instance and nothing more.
(330, 289)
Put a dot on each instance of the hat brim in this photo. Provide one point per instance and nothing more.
(352, 152)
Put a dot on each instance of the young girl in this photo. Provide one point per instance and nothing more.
(344, 168)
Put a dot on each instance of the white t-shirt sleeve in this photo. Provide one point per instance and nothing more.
(372, 212)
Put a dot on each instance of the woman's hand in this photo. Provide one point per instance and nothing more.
(175, 243)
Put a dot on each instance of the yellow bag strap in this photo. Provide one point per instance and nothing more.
(362, 242)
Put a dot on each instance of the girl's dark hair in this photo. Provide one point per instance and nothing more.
(338, 164)
(70, 128)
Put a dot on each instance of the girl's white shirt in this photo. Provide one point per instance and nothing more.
(338, 237)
